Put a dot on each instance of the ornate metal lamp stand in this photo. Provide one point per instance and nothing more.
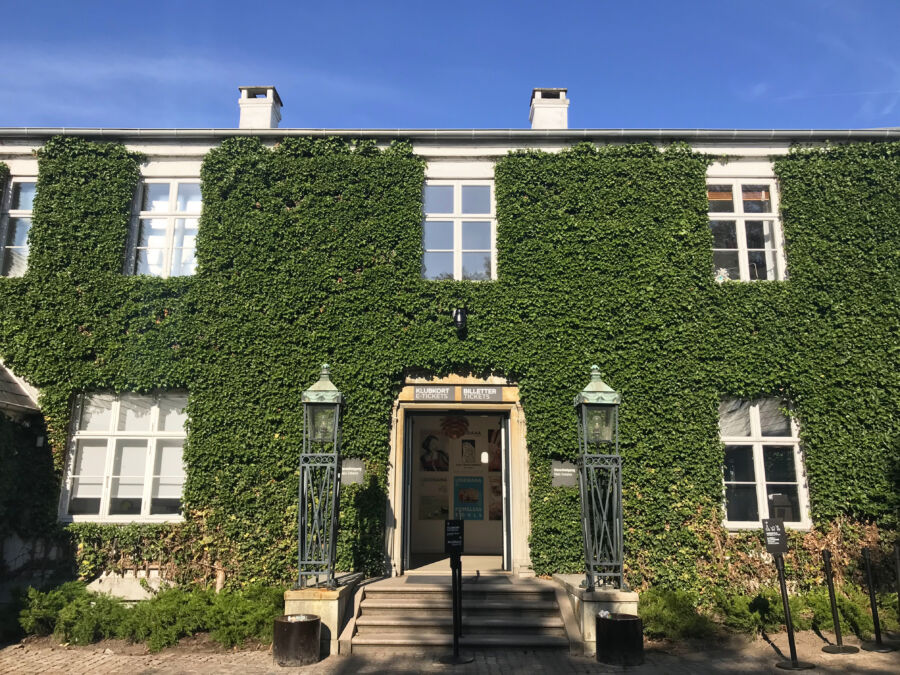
(320, 481)
(600, 482)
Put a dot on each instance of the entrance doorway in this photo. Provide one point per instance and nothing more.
(457, 467)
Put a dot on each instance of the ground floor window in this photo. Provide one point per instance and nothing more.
(125, 457)
(763, 471)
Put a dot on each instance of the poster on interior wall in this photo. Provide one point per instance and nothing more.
(434, 502)
(495, 462)
(469, 457)
(495, 504)
(468, 497)
(433, 453)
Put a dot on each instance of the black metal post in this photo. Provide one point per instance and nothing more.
(455, 584)
(897, 571)
(456, 659)
(459, 596)
(793, 664)
(840, 647)
(878, 645)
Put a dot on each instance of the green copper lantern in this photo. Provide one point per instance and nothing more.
(600, 482)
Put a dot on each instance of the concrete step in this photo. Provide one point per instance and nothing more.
(511, 624)
(509, 594)
(440, 644)
(415, 616)
(439, 606)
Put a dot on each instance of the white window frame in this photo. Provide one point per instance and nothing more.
(170, 215)
(112, 436)
(740, 218)
(757, 441)
(7, 214)
(457, 217)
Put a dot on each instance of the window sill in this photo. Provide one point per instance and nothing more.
(738, 527)
(120, 520)
(725, 282)
(464, 281)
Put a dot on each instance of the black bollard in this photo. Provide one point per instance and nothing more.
(878, 645)
(793, 664)
(453, 544)
(840, 647)
(897, 570)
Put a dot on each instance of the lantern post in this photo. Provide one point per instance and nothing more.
(320, 481)
(600, 483)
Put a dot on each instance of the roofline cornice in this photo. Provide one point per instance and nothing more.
(467, 135)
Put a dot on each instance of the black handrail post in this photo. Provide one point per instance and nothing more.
(456, 613)
(878, 645)
(459, 585)
(453, 544)
(897, 571)
(840, 647)
(793, 664)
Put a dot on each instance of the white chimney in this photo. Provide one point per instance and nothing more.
(260, 108)
(549, 109)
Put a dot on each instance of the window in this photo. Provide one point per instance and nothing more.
(15, 222)
(459, 230)
(125, 458)
(763, 466)
(166, 229)
(745, 229)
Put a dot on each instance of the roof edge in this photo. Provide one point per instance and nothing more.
(467, 134)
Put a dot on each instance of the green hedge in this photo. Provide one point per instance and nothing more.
(74, 615)
(310, 252)
(678, 614)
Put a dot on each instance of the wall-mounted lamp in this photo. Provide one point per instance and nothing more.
(459, 320)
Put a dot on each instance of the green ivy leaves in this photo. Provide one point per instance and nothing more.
(310, 252)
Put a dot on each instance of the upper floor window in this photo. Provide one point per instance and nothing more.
(125, 457)
(15, 223)
(165, 230)
(764, 474)
(746, 233)
(459, 230)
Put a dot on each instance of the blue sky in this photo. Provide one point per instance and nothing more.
(458, 64)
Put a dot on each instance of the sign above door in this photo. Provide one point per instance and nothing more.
(458, 393)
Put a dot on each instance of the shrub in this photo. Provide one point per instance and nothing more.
(238, 616)
(231, 617)
(820, 606)
(90, 617)
(170, 615)
(72, 614)
(672, 614)
(888, 611)
(41, 609)
(853, 607)
(734, 612)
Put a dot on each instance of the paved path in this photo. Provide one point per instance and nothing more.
(42, 656)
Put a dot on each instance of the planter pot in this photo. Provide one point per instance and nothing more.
(296, 639)
(620, 640)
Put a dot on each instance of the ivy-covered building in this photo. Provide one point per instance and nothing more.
(170, 293)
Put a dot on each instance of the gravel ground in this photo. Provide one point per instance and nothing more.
(199, 655)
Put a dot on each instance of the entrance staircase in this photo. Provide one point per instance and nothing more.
(414, 614)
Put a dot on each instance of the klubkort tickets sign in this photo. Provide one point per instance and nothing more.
(458, 393)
